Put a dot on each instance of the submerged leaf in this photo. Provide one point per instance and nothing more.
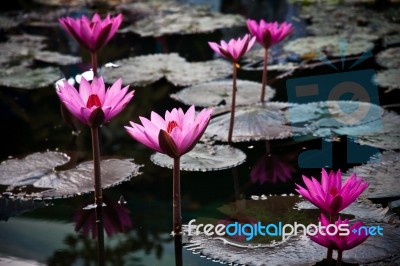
(218, 93)
(171, 17)
(146, 69)
(204, 158)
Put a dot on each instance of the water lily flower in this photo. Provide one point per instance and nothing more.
(93, 104)
(174, 135)
(234, 49)
(268, 34)
(92, 34)
(330, 195)
(338, 242)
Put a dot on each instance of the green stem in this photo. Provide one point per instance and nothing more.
(176, 204)
(94, 64)
(98, 197)
(233, 103)
(264, 76)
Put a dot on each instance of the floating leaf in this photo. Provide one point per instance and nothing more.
(382, 174)
(20, 49)
(322, 46)
(256, 122)
(57, 58)
(171, 17)
(383, 133)
(7, 23)
(299, 249)
(204, 158)
(39, 170)
(26, 78)
(144, 70)
(218, 93)
(323, 118)
(389, 79)
(389, 58)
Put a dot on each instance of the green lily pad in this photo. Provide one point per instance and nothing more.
(39, 170)
(171, 17)
(218, 93)
(389, 58)
(328, 46)
(382, 174)
(256, 122)
(26, 78)
(388, 79)
(144, 70)
(204, 158)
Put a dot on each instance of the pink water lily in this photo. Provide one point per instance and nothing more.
(337, 242)
(174, 135)
(92, 34)
(93, 97)
(234, 49)
(268, 34)
(330, 195)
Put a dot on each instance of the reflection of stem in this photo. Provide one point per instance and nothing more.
(98, 194)
(178, 250)
(330, 250)
(236, 183)
(233, 103)
(267, 147)
(264, 76)
(339, 258)
(176, 203)
(94, 64)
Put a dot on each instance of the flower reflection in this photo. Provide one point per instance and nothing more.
(116, 218)
(271, 168)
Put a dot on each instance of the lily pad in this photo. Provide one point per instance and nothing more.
(328, 46)
(389, 58)
(389, 79)
(382, 174)
(256, 122)
(299, 249)
(144, 70)
(204, 158)
(26, 78)
(383, 133)
(7, 23)
(39, 171)
(171, 17)
(20, 49)
(218, 93)
(57, 58)
(323, 118)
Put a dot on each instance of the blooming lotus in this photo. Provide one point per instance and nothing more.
(268, 34)
(93, 104)
(92, 34)
(234, 49)
(330, 195)
(174, 135)
(338, 242)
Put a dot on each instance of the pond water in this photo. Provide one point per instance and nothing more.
(43, 231)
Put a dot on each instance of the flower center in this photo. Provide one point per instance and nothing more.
(171, 125)
(93, 100)
(333, 191)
